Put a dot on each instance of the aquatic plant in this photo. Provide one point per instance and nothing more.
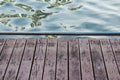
(5, 21)
(57, 4)
(8, 15)
(75, 8)
(1, 3)
(9, 0)
(36, 17)
(47, 0)
(23, 6)
(51, 36)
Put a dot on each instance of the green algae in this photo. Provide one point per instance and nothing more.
(1, 3)
(8, 15)
(23, 6)
(57, 4)
(5, 21)
(9, 0)
(51, 36)
(36, 15)
(75, 8)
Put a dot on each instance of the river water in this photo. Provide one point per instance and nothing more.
(59, 16)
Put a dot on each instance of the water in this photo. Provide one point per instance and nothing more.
(59, 16)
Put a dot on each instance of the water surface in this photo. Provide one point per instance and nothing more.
(59, 16)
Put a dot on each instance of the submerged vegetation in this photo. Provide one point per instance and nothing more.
(75, 8)
(36, 17)
(57, 4)
(23, 6)
(9, 15)
(9, 0)
(5, 21)
(1, 3)
(34, 14)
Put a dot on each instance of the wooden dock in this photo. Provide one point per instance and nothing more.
(60, 59)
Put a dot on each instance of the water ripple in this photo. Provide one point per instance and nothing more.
(94, 16)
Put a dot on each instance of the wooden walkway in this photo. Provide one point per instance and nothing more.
(60, 59)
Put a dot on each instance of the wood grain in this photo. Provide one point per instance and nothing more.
(97, 59)
(50, 61)
(112, 70)
(62, 60)
(38, 65)
(25, 66)
(116, 50)
(74, 60)
(86, 63)
(2, 42)
(5, 56)
(11, 72)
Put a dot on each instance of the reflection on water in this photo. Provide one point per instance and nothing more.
(59, 15)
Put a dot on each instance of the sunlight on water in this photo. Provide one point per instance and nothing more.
(60, 15)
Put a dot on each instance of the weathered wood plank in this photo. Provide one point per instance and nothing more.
(86, 63)
(50, 61)
(26, 63)
(5, 56)
(112, 70)
(38, 65)
(74, 60)
(97, 59)
(15, 60)
(2, 42)
(62, 60)
(116, 50)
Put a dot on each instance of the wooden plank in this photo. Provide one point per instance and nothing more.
(111, 66)
(38, 65)
(26, 63)
(50, 61)
(74, 60)
(62, 60)
(15, 60)
(5, 56)
(2, 42)
(86, 63)
(97, 59)
(116, 50)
